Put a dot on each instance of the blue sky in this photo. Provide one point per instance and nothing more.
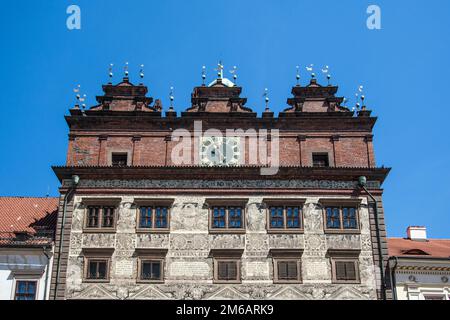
(404, 68)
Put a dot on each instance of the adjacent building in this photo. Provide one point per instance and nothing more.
(419, 267)
(161, 205)
(26, 247)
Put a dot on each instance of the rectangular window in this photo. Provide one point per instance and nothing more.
(287, 218)
(119, 159)
(227, 271)
(288, 270)
(227, 217)
(320, 160)
(151, 270)
(153, 217)
(97, 269)
(25, 290)
(98, 217)
(345, 270)
(341, 218)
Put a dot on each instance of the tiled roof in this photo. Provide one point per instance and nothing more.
(27, 215)
(431, 248)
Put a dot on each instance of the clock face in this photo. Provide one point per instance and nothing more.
(219, 151)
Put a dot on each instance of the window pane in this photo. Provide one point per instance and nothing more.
(276, 217)
(287, 270)
(345, 270)
(333, 220)
(97, 270)
(93, 215)
(218, 217)
(151, 270)
(161, 217)
(92, 272)
(108, 217)
(349, 218)
(235, 217)
(25, 290)
(145, 220)
(293, 217)
(102, 270)
(227, 270)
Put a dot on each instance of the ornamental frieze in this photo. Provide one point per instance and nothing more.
(218, 184)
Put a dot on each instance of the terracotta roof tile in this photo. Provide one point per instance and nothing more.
(24, 214)
(434, 248)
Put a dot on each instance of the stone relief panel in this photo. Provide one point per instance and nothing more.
(312, 216)
(76, 243)
(344, 241)
(189, 269)
(78, 216)
(257, 243)
(125, 241)
(125, 268)
(256, 216)
(314, 269)
(286, 241)
(256, 269)
(99, 240)
(189, 215)
(127, 216)
(227, 241)
(315, 245)
(188, 241)
(152, 240)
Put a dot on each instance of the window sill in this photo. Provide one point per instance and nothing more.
(227, 231)
(287, 282)
(291, 231)
(150, 281)
(152, 230)
(227, 281)
(95, 281)
(346, 282)
(99, 230)
(342, 231)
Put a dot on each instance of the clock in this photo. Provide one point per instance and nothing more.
(219, 151)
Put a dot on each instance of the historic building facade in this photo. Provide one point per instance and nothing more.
(156, 205)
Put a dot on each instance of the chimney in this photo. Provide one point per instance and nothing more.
(417, 233)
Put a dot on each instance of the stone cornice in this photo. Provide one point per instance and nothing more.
(241, 173)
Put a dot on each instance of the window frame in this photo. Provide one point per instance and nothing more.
(119, 153)
(227, 203)
(345, 256)
(15, 287)
(327, 154)
(285, 203)
(147, 202)
(100, 202)
(218, 260)
(88, 260)
(277, 260)
(348, 203)
(141, 259)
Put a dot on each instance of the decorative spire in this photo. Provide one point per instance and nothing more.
(111, 74)
(266, 99)
(126, 70)
(234, 73)
(326, 70)
(297, 76)
(219, 70)
(310, 69)
(171, 97)
(76, 90)
(203, 75)
(141, 72)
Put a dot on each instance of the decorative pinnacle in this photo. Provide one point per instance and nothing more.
(297, 76)
(266, 99)
(310, 69)
(126, 69)
(171, 97)
(111, 74)
(219, 70)
(234, 73)
(141, 72)
(203, 74)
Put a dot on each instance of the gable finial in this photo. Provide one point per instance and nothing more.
(76, 90)
(326, 70)
(266, 99)
(171, 97)
(141, 72)
(203, 75)
(297, 76)
(111, 74)
(220, 70)
(234, 73)
(126, 70)
(310, 69)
